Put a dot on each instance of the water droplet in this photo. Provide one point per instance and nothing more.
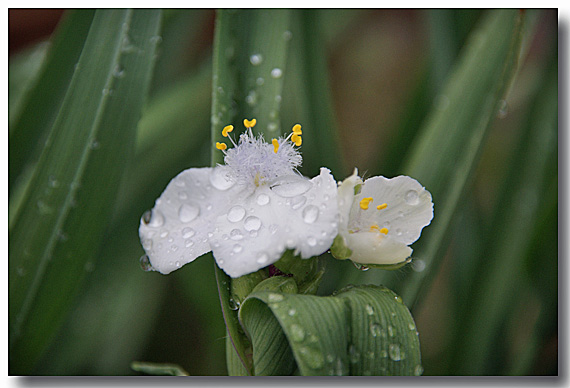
(360, 266)
(353, 354)
(418, 370)
(236, 234)
(145, 263)
(411, 326)
(394, 352)
(375, 329)
(287, 35)
(251, 98)
(188, 232)
(390, 331)
(278, 98)
(53, 182)
(220, 180)
(188, 213)
(259, 81)
(297, 333)
(503, 109)
(276, 73)
(236, 213)
(262, 258)
(290, 186)
(153, 218)
(298, 201)
(330, 358)
(312, 357)
(252, 223)
(411, 197)
(118, 71)
(369, 310)
(310, 214)
(237, 248)
(262, 199)
(272, 297)
(312, 241)
(183, 195)
(291, 312)
(256, 59)
(146, 243)
(234, 305)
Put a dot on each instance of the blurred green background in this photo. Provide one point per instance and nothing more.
(489, 306)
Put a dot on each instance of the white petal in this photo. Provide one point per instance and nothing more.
(289, 213)
(375, 248)
(409, 209)
(346, 199)
(184, 214)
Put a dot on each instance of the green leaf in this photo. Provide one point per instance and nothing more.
(69, 199)
(41, 104)
(363, 330)
(250, 48)
(448, 147)
(155, 369)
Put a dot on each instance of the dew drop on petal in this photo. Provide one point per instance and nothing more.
(145, 263)
(290, 186)
(153, 218)
(411, 197)
(237, 248)
(262, 199)
(236, 213)
(182, 195)
(188, 213)
(236, 234)
(252, 223)
(298, 201)
(220, 180)
(310, 214)
(312, 241)
(262, 258)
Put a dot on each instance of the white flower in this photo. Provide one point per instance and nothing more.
(383, 217)
(247, 212)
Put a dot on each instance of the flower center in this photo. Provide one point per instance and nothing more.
(255, 162)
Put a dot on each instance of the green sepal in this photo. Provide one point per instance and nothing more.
(339, 250)
(307, 273)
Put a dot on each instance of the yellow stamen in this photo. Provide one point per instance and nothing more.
(221, 146)
(275, 145)
(227, 129)
(297, 139)
(384, 230)
(249, 123)
(364, 202)
(297, 129)
(375, 227)
(383, 206)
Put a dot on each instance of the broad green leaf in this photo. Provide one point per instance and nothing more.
(448, 147)
(363, 330)
(69, 199)
(250, 48)
(34, 118)
(313, 94)
(155, 369)
(522, 204)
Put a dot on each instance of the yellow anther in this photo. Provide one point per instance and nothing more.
(297, 139)
(249, 123)
(227, 129)
(375, 228)
(275, 145)
(221, 146)
(383, 206)
(384, 230)
(364, 202)
(297, 129)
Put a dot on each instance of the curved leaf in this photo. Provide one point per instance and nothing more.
(363, 330)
